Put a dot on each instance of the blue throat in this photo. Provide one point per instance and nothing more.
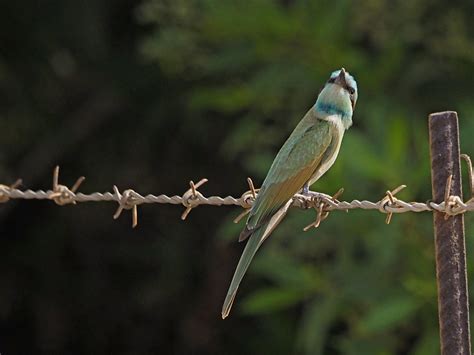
(329, 109)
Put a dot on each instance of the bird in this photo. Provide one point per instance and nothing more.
(306, 155)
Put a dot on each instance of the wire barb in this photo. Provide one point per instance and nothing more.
(390, 201)
(451, 202)
(191, 197)
(470, 173)
(61, 194)
(3, 195)
(127, 201)
(248, 197)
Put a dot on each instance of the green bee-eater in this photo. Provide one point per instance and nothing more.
(306, 155)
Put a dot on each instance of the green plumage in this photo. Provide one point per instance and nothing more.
(293, 166)
(306, 155)
(296, 162)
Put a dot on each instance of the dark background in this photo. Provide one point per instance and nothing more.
(150, 94)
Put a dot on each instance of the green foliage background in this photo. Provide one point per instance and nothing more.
(152, 93)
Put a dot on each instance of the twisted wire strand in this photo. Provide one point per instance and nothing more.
(301, 201)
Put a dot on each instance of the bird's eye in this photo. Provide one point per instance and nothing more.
(350, 90)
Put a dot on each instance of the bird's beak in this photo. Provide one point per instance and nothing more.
(341, 78)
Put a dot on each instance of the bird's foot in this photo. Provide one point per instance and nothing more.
(321, 206)
(314, 194)
(305, 190)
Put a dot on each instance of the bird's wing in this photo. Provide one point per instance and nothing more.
(275, 220)
(292, 168)
(294, 165)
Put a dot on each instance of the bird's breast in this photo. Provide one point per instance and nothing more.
(337, 131)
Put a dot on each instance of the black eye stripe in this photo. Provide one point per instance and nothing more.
(349, 89)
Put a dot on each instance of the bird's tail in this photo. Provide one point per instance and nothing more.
(250, 249)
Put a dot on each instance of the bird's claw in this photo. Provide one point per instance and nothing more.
(319, 203)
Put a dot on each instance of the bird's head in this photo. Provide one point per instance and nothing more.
(338, 97)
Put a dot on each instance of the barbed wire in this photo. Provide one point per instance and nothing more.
(192, 198)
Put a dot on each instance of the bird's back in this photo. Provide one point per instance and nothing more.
(295, 163)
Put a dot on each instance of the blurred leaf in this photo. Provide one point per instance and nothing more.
(428, 343)
(388, 314)
(267, 300)
(316, 321)
(287, 272)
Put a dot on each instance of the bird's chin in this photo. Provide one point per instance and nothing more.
(335, 93)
